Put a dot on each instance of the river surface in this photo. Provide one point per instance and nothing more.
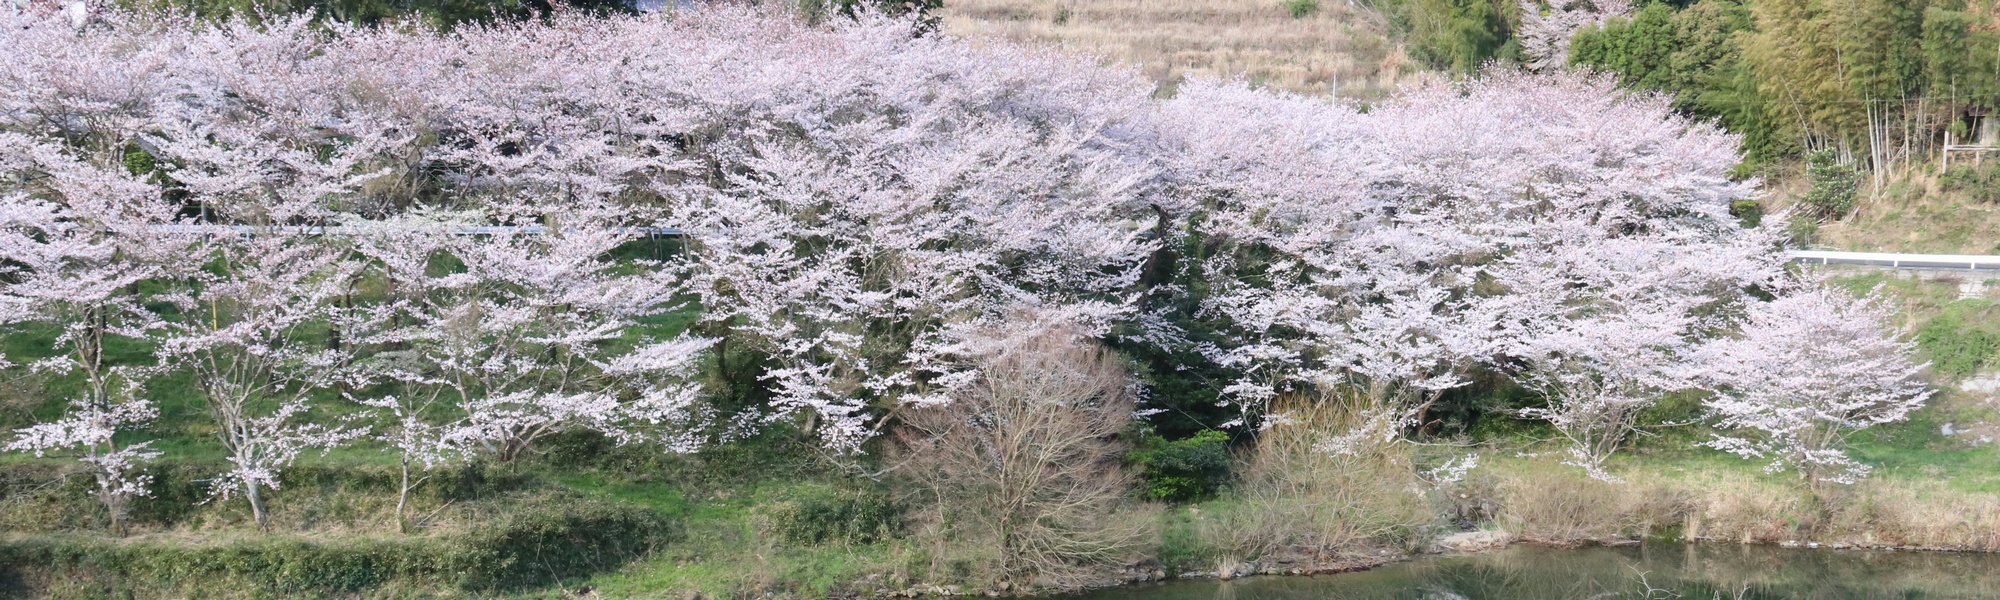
(1652, 571)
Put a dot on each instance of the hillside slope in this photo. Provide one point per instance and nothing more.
(1332, 47)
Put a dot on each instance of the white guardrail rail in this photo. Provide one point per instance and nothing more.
(1942, 262)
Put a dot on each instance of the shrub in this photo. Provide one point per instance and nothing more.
(1954, 347)
(1183, 470)
(1297, 496)
(1561, 509)
(1981, 185)
(1835, 186)
(1300, 9)
(822, 517)
(536, 541)
(1747, 211)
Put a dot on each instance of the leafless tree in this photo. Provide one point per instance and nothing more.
(1028, 456)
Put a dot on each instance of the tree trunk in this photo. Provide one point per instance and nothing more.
(403, 498)
(257, 507)
(510, 450)
(112, 506)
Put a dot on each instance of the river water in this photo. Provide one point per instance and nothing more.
(1651, 571)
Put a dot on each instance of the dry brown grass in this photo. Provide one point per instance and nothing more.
(1341, 48)
(1921, 514)
(1550, 505)
(1912, 212)
(1299, 499)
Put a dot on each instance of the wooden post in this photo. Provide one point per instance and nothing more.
(1945, 161)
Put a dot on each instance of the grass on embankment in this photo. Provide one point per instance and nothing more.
(1305, 46)
(699, 523)
(1912, 501)
(525, 539)
(767, 516)
(1927, 489)
(727, 550)
(1915, 210)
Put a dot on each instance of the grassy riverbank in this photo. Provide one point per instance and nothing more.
(789, 529)
(772, 516)
(1935, 480)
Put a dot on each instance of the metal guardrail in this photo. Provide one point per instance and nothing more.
(1959, 262)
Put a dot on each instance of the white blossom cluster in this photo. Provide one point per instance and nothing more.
(856, 202)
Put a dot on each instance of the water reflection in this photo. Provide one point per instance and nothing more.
(1653, 571)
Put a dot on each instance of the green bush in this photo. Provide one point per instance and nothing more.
(843, 517)
(1300, 9)
(555, 537)
(1835, 187)
(539, 540)
(138, 161)
(1182, 544)
(1977, 184)
(1456, 35)
(1956, 348)
(1183, 470)
(1747, 211)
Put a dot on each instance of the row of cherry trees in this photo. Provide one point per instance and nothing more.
(1548, 229)
(437, 241)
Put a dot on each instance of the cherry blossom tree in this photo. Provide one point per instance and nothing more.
(1609, 324)
(76, 279)
(852, 194)
(1598, 373)
(1459, 226)
(876, 187)
(415, 413)
(1808, 369)
(253, 336)
(255, 137)
(533, 334)
(79, 281)
(77, 236)
(1320, 280)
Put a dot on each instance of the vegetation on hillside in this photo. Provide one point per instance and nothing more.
(1319, 48)
(1877, 82)
(306, 309)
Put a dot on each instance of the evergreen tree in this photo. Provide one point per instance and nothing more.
(1961, 54)
(1640, 49)
(1457, 35)
(1692, 53)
